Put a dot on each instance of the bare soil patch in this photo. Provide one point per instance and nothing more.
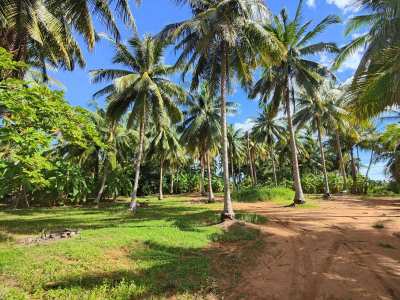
(330, 252)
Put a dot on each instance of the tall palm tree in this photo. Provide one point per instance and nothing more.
(390, 150)
(165, 147)
(236, 151)
(218, 42)
(320, 111)
(295, 69)
(201, 129)
(268, 130)
(142, 89)
(41, 31)
(375, 86)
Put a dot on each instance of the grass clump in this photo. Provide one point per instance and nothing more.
(236, 233)
(266, 193)
(251, 218)
(386, 245)
(378, 225)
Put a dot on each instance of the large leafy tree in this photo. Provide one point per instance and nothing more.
(41, 31)
(218, 42)
(34, 120)
(376, 83)
(295, 69)
(141, 89)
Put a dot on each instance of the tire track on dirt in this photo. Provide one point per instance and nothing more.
(371, 264)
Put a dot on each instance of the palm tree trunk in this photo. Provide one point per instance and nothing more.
(254, 169)
(341, 162)
(274, 167)
(138, 159)
(171, 187)
(353, 171)
(250, 160)
(232, 170)
(321, 150)
(367, 174)
(202, 171)
(210, 190)
(102, 187)
(228, 208)
(160, 195)
(239, 179)
(299, 196)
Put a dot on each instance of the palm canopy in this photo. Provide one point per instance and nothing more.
(268, 129)
(222, 29)
(375, 86)
(201, 128)
(41, 31)
(143, 85)
(165, 144)
(236, 144)
(320, 109)
(296, 65)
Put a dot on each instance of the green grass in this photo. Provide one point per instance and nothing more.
(160, 251)
(279, 195)
(264, 194)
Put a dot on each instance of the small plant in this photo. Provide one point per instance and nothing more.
(378, 225)
(386, 245)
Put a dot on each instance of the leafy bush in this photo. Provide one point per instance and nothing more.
(314, 183)
(264, 193)
(217, 184)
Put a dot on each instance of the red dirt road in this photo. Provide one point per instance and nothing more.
(331, 252)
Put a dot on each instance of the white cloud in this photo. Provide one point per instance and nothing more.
(310, 3)
(346, 5)
(245, 126)
(352, 62)
(325, 60)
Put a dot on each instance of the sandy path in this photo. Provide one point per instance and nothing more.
(331, 252)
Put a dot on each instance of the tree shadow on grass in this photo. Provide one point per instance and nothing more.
(185, 218)
(166, 271)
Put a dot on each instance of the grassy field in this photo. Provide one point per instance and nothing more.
(160, 251)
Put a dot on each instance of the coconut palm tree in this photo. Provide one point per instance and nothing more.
(40, 31)
(320, 111)
(268, 130)
(375, 86)
(219, 41)
(236, 151)
(165, 147)
(390, 150)
(141, 88)
(295, 69)
(201, 129)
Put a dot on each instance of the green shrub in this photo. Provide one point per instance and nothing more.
(263, 194)
(314, 183)
(217, 185)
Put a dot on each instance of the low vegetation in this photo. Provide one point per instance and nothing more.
(266, 193)
(161, 250)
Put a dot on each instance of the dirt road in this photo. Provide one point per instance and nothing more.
(346, 249)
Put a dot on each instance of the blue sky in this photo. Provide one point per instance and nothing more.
(153, 15)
